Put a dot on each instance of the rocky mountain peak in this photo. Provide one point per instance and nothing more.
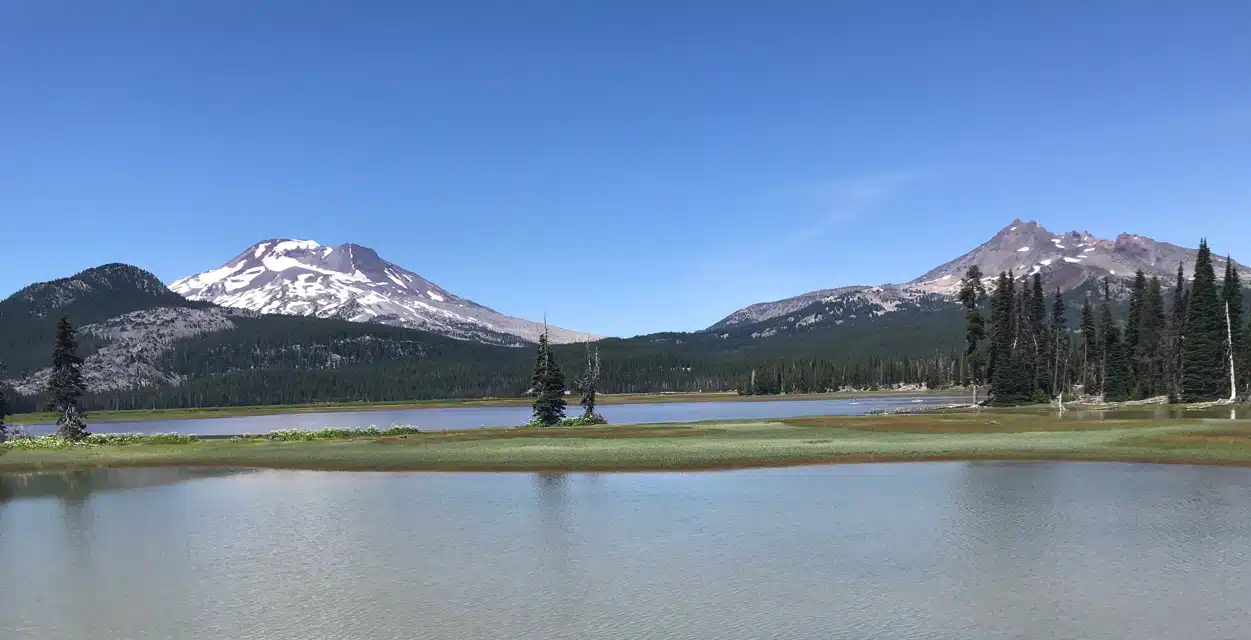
(1065, 259)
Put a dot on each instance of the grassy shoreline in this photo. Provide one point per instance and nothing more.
(697, 446)
(143, 415)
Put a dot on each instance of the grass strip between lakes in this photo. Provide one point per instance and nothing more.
(694, 446)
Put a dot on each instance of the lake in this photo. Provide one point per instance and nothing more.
(923, 550)
(475, 417)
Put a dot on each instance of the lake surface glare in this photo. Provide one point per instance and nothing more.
(922, 550)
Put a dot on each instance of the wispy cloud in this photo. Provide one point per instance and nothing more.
(815, 209)
(763, 266)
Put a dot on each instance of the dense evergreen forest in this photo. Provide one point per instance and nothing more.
(1188, 346)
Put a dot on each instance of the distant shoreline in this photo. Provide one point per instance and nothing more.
(144, 415)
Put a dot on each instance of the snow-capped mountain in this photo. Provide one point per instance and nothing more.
(351, 282)
(1066, 260)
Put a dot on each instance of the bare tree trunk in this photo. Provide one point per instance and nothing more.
(1229, 330)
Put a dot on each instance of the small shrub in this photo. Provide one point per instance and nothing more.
(329, 433)
(583, 420)
(579, 421)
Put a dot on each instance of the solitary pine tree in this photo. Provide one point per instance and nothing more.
(65, 385)
(1231, 295)
(1090, 348)
(588, 384)
(1205, 364)
(548, 385)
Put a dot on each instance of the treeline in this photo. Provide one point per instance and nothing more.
(508, 374)
(1190, 347)
(819, 376)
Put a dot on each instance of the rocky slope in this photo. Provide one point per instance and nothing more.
(134, 344)
(351, 282)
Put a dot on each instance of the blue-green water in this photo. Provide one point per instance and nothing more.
(931, 550)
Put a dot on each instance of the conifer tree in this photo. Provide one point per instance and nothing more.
(1117, 377)
(1000, 323)
(1059, 333)
(65, 384)
(1036, 321)
(1011, 379)
(5, 412)
(1150, 352)
(1244, 373)
(1174, 355)
(548, 384)
(1231, 296)
(588, 384)
(972, 293)
(1107, 328)
(1205, 363)
(1090, 349)
(1133, 322)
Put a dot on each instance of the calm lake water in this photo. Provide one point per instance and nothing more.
(474, 417)
(933, 550)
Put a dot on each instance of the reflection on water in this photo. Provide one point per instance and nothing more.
(936, 551)
(1147, 412)
(77, 486)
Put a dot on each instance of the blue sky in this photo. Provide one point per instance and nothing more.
(660, 164)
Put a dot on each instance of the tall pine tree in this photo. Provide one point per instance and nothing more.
(1133, 322)
(588, 383)
(1205, 364)
(1036, 319)
(1150, 351)
(548, 385)
(1173, 356)
(1059, 333)
(1012, 376)
(1107, 330)
(65, 384)
(972, 293)
(1117, 383)
(1001, 303)
(1090, 350)
(1231, 296)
